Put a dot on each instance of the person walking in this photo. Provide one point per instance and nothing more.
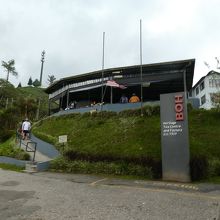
(26, 127)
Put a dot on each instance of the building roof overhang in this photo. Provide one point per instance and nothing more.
(157, 71)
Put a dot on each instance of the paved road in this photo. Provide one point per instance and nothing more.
(47, 196)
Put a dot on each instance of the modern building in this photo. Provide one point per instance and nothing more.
(205, 89)
(157, 78)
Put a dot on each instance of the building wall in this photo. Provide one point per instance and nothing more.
(211, 84)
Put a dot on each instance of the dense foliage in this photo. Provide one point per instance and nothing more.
(18, 103)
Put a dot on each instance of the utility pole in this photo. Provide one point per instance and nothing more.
(42, 66)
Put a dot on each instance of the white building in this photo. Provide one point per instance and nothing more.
(205, 88)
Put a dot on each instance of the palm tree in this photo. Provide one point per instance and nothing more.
(51, 79)
(10, 68)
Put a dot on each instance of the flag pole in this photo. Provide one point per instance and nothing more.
(141, 74)
(103, 62)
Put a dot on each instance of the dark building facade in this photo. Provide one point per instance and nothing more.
(157, 78)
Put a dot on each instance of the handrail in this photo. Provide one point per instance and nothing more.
(31, 146)
(31, 149)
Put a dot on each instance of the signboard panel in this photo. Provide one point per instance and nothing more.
(174, 137)
(63, 139)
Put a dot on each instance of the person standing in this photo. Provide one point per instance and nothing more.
(123, 99)
(26, 127)
(134, 98)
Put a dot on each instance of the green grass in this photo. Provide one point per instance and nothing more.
(34, 92)
(116, 136)
(129, 138)
(11, 167)
(10, 149)
(215, 180)
(204, 133)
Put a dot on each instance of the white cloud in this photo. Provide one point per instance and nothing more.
(71, 33)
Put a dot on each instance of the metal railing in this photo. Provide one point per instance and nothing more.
(30, 146)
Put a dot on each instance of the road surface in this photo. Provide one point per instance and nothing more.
(47, 196)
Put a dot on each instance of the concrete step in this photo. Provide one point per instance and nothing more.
(33, 167)
(30, 167)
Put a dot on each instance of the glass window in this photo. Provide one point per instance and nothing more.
(197, 90)
(202, 86)
(203, 100)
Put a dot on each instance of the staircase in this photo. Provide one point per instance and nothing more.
(41, 153)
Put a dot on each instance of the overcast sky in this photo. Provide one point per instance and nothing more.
(70, 31)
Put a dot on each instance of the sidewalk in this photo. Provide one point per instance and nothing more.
(39, 157)
(44, 150)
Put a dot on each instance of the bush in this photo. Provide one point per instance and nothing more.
(21, 155)
(107, 114)
(153, 164)
(79, 166)
(189, 107)
(148, 111)
(5, 135)
(214, 167)
(198, 167)
(130, 112)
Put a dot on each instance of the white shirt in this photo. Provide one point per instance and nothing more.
(26, 126)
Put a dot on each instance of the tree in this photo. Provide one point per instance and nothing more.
(51, 79)
(10, 68)
(215, 97)
(30, 82)
(36, 83)
(7, 91)
(19, 85)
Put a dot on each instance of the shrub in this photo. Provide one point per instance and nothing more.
(148, 111)
(214, 167)
(79, 166)
(154, 164)
(107, 114)
(130, 112)
(189, 107)
(5, 135)
(198, 167)
(155, 110)
(21, 155)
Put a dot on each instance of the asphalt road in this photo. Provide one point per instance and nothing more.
(47, 196)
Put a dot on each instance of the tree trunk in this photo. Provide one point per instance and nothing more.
(7, 75)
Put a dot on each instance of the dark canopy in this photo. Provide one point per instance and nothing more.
(158, 78)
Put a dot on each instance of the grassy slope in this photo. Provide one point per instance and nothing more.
(204, 133)
(131, 136)
(10, 149)
(32, 91)
(35, 93)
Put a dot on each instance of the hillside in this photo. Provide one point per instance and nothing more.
(31, 91)
(29, 96)
(127, 137)
(18, 103)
